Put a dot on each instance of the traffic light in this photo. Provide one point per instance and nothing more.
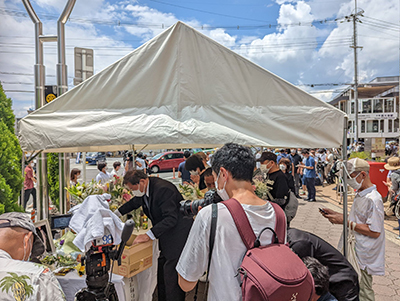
(50, 93)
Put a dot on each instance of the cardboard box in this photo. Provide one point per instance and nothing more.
(135, 259)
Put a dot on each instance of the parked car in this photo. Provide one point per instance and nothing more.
(92, 158)
(165, 161)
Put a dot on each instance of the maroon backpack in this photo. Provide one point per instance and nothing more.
(273, 272)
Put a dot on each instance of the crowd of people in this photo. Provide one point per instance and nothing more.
(185, 249)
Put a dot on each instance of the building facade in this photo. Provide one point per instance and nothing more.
(378, 109)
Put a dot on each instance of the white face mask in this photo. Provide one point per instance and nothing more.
(353, 182)
(221, 192)
(194, 173)
(137, 192)
(264, 168)
(293, 151)
(282, 167)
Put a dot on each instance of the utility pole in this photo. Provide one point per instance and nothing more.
(355, 47)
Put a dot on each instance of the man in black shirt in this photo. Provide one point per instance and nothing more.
(295, 158)
(343, 281)
(275, 180)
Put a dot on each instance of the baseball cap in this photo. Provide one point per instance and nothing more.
(357, 164)
(267, 156)
(22, 220)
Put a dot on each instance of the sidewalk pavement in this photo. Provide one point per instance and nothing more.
(308, 218)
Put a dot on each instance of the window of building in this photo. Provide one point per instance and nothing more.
(352, 107)
(372, 126)
(349, 126)
(396, 125)
(366, 106)
(390, 125)
(378, 105)
(389, 105)
(362, 126)
(382, 126)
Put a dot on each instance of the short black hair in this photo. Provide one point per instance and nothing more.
(186, 154)
(267, 156)
(193, 162)
(101, 165)
(116, 164)
(207, 172)
(320, 273)
(134, 176)
(237, 159)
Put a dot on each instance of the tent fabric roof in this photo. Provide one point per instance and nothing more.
(181, 90)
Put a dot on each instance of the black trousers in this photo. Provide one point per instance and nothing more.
(27, 194)
(310, 183)
(167, 280)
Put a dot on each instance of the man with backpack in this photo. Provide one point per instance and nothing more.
(239, 219)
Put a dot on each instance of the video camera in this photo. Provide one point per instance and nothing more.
(98, 261)
(191, 208)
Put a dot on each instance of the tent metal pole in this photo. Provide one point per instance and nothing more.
(62, 87)
(21, 199)
(345, 213)
(84, 167)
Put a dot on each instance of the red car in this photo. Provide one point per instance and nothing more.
(166, 161)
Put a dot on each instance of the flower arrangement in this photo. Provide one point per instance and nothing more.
(190, 192)
(261, 189)
(119, 194)
(59, 261)
(82, 190)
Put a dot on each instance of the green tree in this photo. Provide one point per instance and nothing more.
(6, 112)
(53, 178)
(10, 157)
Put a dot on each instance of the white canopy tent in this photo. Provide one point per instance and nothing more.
(181, 90)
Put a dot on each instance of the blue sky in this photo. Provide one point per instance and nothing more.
(304, 42)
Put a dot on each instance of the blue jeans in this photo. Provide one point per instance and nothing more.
(310, 183)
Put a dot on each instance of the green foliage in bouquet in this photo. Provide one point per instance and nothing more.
(59, 261)
(10, 158)
(53, 178)
(190, 192)
(261, 189)
(82, 190)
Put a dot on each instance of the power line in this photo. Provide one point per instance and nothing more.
(18, 91)
(23, 14)
(15, 83)
(27, 74)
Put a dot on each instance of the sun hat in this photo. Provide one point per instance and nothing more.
(393, 163)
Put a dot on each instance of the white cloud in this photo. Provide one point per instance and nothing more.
(299, 54)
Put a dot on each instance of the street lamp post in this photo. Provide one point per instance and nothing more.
(62, 83)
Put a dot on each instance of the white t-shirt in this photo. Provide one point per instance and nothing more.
(228, 251)
(368, 209)
(103, 177)
(330, 158)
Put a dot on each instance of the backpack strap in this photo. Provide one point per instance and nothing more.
(280, 222)
(242, 222)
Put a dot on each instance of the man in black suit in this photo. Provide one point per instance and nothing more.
(160, 202)
(343, 281)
